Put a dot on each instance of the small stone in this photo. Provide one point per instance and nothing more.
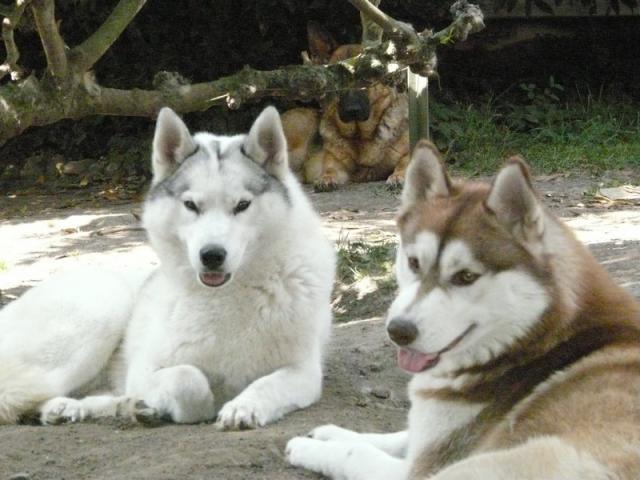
(76, 167)
(382, 393)
(375, 367)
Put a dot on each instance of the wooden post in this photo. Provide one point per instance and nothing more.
(418, 107)
(418, 85)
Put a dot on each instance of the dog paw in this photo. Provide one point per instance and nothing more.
(326, 184)
(326, 458)
(395, 181)
(302, 452)
(332, 432)
(240, 414)
(62, 410)
(148, 416)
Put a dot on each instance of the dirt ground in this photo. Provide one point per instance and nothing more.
(41, 233)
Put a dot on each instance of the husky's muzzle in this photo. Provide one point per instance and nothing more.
(212, 258)
(404, 332)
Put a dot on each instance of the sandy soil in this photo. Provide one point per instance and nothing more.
(43, 233)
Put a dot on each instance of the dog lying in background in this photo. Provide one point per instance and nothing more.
(359, 136)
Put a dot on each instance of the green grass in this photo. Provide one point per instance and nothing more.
(365, 282)
(552, 136)
(357, 260)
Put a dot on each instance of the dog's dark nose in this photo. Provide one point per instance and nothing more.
(212, 256)
(402, 331)
(353, 106)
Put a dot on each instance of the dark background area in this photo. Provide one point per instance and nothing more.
(203, 41)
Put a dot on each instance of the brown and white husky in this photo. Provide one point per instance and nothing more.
(525, 353)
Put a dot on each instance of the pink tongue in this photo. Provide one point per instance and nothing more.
(415, 362)
(213, 279)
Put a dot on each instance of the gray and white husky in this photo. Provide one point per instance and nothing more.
(231, 324)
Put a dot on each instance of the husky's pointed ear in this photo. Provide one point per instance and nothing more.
(514, 202)
(266, 144)
(172, 143)
(426, 175)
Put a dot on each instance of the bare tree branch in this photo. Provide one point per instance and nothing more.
(77, 94)
(93, 48)
(371, 31)
(9, 23)
(388, 24)
(52, 43)
(467, 19)
(303, 82)
(417, 50)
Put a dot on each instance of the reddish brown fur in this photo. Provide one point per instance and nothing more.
(591, 332)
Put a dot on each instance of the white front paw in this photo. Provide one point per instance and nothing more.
(62, 410)
(241, 414)
(306, 453)
(333, 432)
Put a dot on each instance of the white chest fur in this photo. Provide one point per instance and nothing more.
(237, 335)
(433, 420)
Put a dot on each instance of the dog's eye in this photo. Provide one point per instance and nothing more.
(191, 205)
(241, 206)
(464, 278)
(414, 264)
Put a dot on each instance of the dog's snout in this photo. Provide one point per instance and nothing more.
(212, 256)
(402, 331)
(353, 106)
